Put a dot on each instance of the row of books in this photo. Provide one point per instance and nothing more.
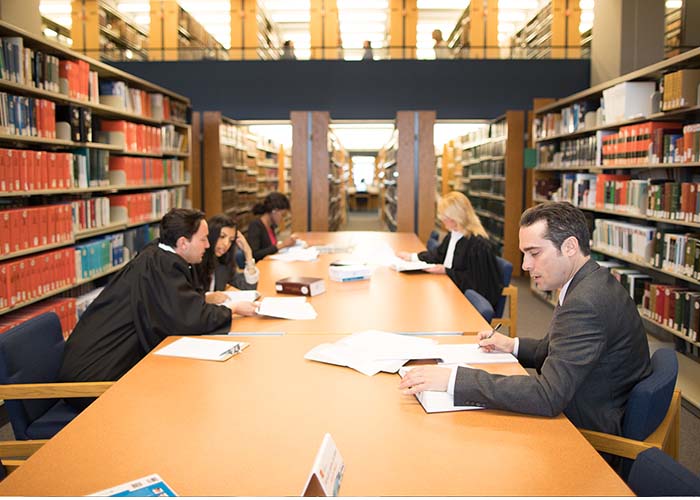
(131, 137)
(483, 151)
(144, 207)
(496, 168)
(31, 227)
(65, 309)
(678, 253)
(680, 89)
(27, 117)
(92, 213)
(580, 152)
(631, 240)
(118, 94)
(674, 307)
(173, 139)
(30, 278)
(44, 71)
(99, 255)
(134, 171)
(660, 198)
(649, 142)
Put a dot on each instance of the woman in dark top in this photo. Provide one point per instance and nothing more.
(466, 255)
(217, 271)
(261, 231)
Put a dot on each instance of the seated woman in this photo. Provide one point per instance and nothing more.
(217, 271)
(261, 231)
(466, 255)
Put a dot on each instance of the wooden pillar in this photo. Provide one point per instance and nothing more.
(566, 39)
(163, 39)
(196, 180)
(310, 169)
(415, 162)
(403, 20)
(85, 28)
(324, 26)
(281, 175)
(477, 33)
(491, 40)
(515, 121)
(447, 159)
(244, 30)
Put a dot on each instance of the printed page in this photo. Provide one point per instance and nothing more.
(197, 348)
(287, 308)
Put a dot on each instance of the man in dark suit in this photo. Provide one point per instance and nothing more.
(594, 353)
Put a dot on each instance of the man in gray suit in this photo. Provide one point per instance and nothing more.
(594, 352)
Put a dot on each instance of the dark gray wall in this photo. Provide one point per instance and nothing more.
(365, 90)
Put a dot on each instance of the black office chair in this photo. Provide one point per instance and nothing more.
(480, 304)
(652, 415)
(32, 353)
(433, 240)
(655, 474)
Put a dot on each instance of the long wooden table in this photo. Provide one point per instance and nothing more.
(391, 301)
(252, 425)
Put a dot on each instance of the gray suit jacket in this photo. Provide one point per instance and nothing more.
(593, 354)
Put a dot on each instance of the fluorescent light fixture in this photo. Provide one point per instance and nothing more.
(674, 4)
(50, 33)
(132, 8)
(361, 27)
(442, 4)
(506, 27)
(363, 17)
(54, 8)
(518, 4)
(363, 4)
(588, 4)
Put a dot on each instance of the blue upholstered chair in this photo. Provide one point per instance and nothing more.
(480, 304)
(31, 353)
(433, 241)
(655, 474)
(240, 258)
(652, 415)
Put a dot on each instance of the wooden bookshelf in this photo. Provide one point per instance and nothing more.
(337, 183)
(475, 34)
(101, 31)
(175, 35)
(564, 177)
(551, 33)
(492, 178)
(124, 230)
(253, 34)
(324, 28)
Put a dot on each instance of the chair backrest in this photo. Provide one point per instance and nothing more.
(31, 352)
(506, 269)
(650, 398)
(240, 258)
(655, 474)
(480, 303)
(433, 242)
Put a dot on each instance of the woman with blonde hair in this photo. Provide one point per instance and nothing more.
(466, 255)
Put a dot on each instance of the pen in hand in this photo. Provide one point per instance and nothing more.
(494, 330)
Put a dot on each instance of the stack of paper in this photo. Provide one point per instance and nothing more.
(287, 308)
(296, 253)
(370, 352)
(240, 296)
(401, 265)
(437, 401)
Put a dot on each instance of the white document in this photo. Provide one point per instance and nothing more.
(196, 348)
(287, 308)
(450, 353)
(240, 296)
(401, 265)
(437, 401)
(296, 253)
(363, 351)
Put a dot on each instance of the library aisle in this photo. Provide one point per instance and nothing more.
(364, 221)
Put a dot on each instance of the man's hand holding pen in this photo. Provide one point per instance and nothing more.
(491, 340)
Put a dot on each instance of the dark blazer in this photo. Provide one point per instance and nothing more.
(594, 353)
(259, 240)
(474, 265)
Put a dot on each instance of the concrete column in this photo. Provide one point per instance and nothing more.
(627, 35)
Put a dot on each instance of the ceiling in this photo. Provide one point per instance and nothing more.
(359, 19)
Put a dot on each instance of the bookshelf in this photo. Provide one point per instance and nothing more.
(551, 33)
(253, 34)
(679, 32)
(338, 178)
(79, 192)
(99, 30)
(175, 34)
(240, 168)
(475, 34)
(388, 181)
(634, 167)
(492, 178)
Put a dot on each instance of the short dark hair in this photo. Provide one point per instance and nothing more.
(563, 220)
(273, 201)
(179, 222)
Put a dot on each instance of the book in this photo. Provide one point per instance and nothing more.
(149, 486)
(300, 285)
(437, 401)
(206, 349)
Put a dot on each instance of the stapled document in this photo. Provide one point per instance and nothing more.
(207, 349)
(287, 308)
(437, 401)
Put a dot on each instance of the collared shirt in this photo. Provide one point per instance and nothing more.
(449, 256)
(167, 248)
(564, 289)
